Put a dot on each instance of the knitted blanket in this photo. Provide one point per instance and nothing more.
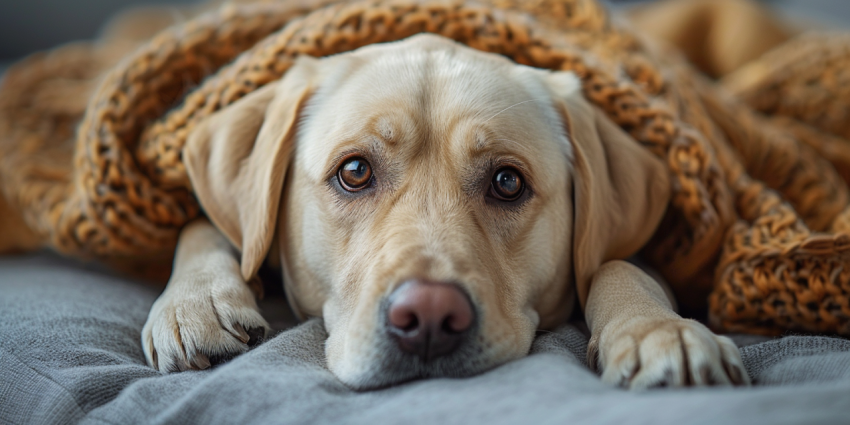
(91, 138)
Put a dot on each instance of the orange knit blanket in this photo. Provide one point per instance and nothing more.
(91, 138)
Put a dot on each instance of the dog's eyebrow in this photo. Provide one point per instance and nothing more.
(483, 142)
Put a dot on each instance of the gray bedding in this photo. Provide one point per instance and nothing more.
(70, 352)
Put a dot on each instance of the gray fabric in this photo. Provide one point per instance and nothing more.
(70, 352)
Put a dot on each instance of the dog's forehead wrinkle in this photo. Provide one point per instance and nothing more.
(430, 81)
(442, 73)
(385, 128)
(480, 141)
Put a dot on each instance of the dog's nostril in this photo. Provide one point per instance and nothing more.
(447, 326)
(413, 325)
(429, 319)
(403, 318)
(453, 325)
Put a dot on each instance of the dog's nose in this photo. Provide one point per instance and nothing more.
(429, 319)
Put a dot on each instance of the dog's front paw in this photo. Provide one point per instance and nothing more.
(649, 352)
(201, 323)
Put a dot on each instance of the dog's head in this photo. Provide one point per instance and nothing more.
(433, 203)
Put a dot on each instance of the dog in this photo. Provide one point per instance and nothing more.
(436, 206)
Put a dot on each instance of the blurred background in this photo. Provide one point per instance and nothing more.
(30, 25)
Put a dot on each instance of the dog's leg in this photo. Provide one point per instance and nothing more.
(207, 313)
(639, 342)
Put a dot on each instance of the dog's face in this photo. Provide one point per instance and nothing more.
(427, 211)
(432, 128)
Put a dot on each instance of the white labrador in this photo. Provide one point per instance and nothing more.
(436, 205)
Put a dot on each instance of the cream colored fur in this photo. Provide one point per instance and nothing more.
(206, 307)
(435, 119)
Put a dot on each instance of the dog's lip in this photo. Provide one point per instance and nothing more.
(382, 384)
(400, 368)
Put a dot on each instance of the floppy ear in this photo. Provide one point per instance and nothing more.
(620, 189)
(237, 158)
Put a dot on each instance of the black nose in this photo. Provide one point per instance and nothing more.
(429, 319)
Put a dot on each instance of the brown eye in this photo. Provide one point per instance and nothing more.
(507, 185)
(355, 174)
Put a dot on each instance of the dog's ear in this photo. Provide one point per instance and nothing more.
(620, 189)
(237, 158)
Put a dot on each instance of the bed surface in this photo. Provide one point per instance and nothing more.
(70, 352)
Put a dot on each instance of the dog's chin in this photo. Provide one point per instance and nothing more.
(389, 366)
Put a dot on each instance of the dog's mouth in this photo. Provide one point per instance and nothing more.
(426, 329)
(395, 366)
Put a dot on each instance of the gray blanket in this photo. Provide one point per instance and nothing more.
(70, 352)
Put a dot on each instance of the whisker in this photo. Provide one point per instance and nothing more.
(515, 104)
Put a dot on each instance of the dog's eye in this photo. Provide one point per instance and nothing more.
(355, 174)
(507, 185)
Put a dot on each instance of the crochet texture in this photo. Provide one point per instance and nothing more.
(91, 146)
